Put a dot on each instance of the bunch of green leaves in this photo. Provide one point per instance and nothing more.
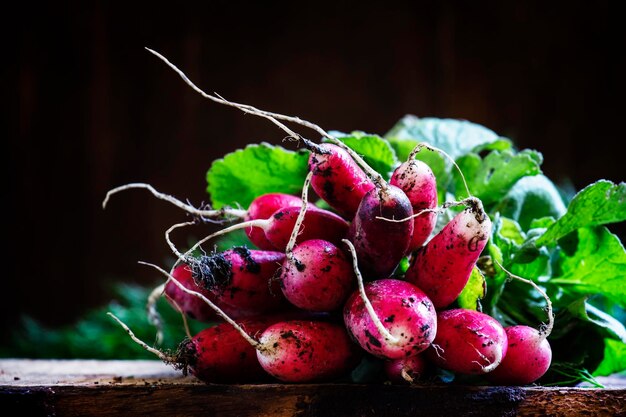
(560, 243)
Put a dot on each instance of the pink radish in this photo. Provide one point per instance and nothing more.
(468, 342)
(320, 279)
(389, 318)
(443, 266)
(191, 306)
(241, 278)
(337, 179)
(316, 275)
(405, 370)
(381, 244)
(263, 207)
(294, 350)
(418, 182)
(218, 354)
(529, 354)
(527, 359)
(306, 351)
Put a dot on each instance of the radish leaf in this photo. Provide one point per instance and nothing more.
(241, 176)
(600, 203)
(597, 265)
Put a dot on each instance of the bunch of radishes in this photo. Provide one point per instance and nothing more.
(297, 308)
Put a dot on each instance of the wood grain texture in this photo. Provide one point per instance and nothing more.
(117, 388)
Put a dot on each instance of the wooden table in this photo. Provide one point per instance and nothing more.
(126, 388)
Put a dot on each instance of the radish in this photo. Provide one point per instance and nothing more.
(191, 306)
(405, 370)
(263, 207)
(316, 275)
(241, 278)
(529, 354)
(338, 180)
(321, 278)
(391, 202)
(215, 355)
(380, 244)
(408, 324)
(418, 182)
(294, 350)
(468, 342)
(306, 351)
(527, 359)
(443, 266)
(317, 224)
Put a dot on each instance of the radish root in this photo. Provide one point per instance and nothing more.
(158, 353)
(299, 220)
(274, 117)
(368, 306)
(255, 343)
(153, 314)
(227, 212)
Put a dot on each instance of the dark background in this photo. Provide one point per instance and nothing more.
(89, 109)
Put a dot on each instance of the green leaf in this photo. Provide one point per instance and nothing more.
(532, 197)
(474, 291)
(455, 137)
(243, 175)
(608, 325)
(501, 144)
(600, 203)
(402, 147)
(376, 151)
(490, 179)
(614, 358)
(596, 266)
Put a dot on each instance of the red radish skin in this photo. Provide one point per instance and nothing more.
(293, 350)
(404, 310)
(405, 370)
(263, 207)
(242, 278)
(220, 355)
(320, 279)
(468, 342)
(418, 182)
(527, 359)
(192, 306)
(306, 351)
(317, 224)
(443, 266)
(380, 244)
(338, 180)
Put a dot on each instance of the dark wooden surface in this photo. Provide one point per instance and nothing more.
(121, 388)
